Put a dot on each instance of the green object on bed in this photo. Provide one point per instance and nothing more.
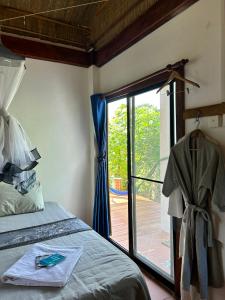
(13, 203)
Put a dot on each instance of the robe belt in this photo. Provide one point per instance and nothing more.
(189, 218)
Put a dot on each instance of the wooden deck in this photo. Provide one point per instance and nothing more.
(152, 242)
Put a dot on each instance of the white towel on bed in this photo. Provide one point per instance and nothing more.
(24, 272)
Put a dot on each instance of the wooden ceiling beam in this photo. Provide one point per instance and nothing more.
(156, 16)
(19, 32)
(38, 50)
(18, 12)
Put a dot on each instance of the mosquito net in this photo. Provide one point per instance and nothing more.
(17, 157)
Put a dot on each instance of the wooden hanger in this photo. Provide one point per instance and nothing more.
(175, 75)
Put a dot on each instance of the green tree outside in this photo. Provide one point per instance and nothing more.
(147, 145)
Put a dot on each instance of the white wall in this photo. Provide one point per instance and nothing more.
(53, 106)
(198, 34)
(193, 34)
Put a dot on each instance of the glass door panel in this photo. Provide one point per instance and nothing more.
(117, 171)
(150, 148)
(153, 239)
(139, 142)
(150, 134)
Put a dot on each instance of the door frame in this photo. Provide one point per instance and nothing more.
(145, 84)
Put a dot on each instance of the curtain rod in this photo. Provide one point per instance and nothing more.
(168, 68)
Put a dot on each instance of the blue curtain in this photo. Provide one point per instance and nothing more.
(101, 222)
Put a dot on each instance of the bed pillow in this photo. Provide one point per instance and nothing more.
(12, 202)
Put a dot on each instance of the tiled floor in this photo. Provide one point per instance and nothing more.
(157, 292)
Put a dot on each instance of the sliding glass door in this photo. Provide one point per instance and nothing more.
(140, 135)
(150, 147)
(118, 171)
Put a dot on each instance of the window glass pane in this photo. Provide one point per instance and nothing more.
(150, 133)
(153, 236)
(150, 136)
(117, 168)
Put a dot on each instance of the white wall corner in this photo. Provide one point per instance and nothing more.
(93, 80)
(93, 87)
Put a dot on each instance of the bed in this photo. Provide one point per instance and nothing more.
(103, 271)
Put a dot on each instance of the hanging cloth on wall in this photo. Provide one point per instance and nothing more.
(17, 159)
(195, 177)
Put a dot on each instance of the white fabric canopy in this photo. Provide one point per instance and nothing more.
(16, 158)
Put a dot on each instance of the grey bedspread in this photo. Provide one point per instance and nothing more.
(103, 272)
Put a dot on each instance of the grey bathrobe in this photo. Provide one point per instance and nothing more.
(199, 176)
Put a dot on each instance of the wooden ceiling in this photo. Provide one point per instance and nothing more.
(88, 26)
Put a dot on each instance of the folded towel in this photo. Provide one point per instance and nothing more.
(24, 272)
